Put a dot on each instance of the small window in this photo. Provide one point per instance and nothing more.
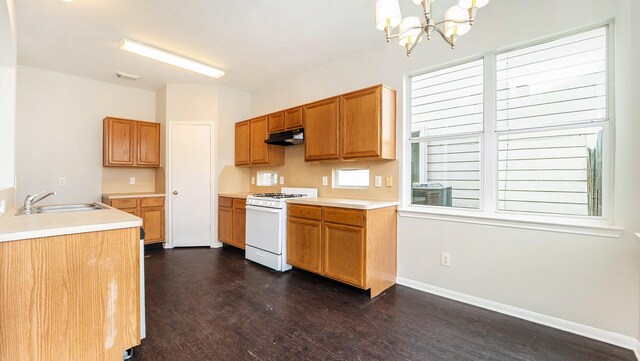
(267, 178)
(351, 178)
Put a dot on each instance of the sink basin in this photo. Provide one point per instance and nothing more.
(80, 207)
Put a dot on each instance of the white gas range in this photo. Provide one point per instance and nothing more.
(266, 229)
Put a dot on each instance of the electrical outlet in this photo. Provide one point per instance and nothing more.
(132, 180)
(253, 180)
(325, 180)
(445, 259)
(377, 181)
(388, 181)
(281, 180)
(62, 181)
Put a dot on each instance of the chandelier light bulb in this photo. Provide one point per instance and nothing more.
(387, 14)
(410, 28)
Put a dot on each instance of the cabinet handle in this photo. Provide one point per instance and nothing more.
(175, 192)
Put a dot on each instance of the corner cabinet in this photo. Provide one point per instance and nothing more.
(250, 146)
(150, 209)
(130, 143)
(232, 216)
(353, 246)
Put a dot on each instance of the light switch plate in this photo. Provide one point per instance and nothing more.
(325, 180)
(253, 180)
(62, 181)
(388, 181)
(281, 180)
(378, 181)
(132, 180)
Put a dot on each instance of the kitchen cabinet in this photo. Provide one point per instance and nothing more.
(242, 143)
(130, 143)
(353, 246)
(150, 209)
(250, 148)
(321, 128)
(232, 217)
(293, 118)
(367, 124)
(276, 122)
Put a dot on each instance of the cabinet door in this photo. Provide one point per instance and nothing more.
(153, 223)
(321, 130)
(293, 118)
(148, 137)
(343, 253)
(119, 142)
(360, 123)
(225, 225)
(304, 244)
(276, 122)
(239, 223)
(259, 150)
(243, 143)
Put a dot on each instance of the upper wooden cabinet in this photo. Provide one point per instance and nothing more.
(276, 122)
(130, 143)
(243, 144)
(293, 118)
(250, 148)
(368, 124)
(321, 129)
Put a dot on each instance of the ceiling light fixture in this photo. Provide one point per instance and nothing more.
(457, 21)
(127, 76)
(170, 58)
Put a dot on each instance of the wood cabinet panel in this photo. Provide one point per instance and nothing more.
(293, 118)
(309, 212)
(152, 202)
(304, 244)
(124, 203)
(242, 143)
(259, 149)
(119, 142)
(360, 123)
(225, 225)
(239, 203)
(132, 211)
(353, 217)
(276, 122)
(344, 253)
(322, 130)
(153, 224)
(226, 202)
(239, 223)
(70, 297)
(148, 144)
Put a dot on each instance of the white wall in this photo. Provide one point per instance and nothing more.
(59, 131)
(589, 280)
(7, 96)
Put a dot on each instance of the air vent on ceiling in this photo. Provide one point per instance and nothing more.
(126, 76)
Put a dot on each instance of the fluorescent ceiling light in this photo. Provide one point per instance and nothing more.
(169, 58)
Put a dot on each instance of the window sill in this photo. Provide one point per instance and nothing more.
(599, 229)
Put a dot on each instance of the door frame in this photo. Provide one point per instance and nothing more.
(213, 184)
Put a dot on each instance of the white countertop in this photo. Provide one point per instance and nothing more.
(14, 228)
(132, 195)
(236, 195)
(343, 202)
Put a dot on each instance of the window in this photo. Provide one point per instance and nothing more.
(267, 178)
(351, 178)
(546, 140)
(446, 129)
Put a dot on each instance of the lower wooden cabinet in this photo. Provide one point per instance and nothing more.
(357, 247)
(232, 216)
(150, 209)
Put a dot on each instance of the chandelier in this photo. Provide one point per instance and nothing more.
(457, 21)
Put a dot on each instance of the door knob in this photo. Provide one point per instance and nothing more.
(175, 192)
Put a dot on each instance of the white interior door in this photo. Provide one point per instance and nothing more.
(190, 182)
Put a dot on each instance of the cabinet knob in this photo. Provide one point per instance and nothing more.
(175, 192)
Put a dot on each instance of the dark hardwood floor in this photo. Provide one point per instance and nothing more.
(211, 304)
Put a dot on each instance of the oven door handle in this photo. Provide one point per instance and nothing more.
(264, 209)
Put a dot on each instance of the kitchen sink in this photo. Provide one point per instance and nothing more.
(60, 208)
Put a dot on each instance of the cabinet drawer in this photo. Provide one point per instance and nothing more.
(152, 202)
(225, 202)
(309, 212)
(239, 203)
(352, 217)
(124, 203)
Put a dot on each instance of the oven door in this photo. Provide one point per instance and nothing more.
(265, 228)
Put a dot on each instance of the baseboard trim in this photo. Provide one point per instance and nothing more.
(564, 325)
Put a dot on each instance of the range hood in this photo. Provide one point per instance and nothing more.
(289, 137)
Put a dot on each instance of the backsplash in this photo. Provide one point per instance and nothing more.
(298, 173)
(7, 199)
(116, 180)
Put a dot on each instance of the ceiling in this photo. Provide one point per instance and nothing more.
(256, 42)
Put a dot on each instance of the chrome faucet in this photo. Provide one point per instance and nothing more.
(27, 208)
